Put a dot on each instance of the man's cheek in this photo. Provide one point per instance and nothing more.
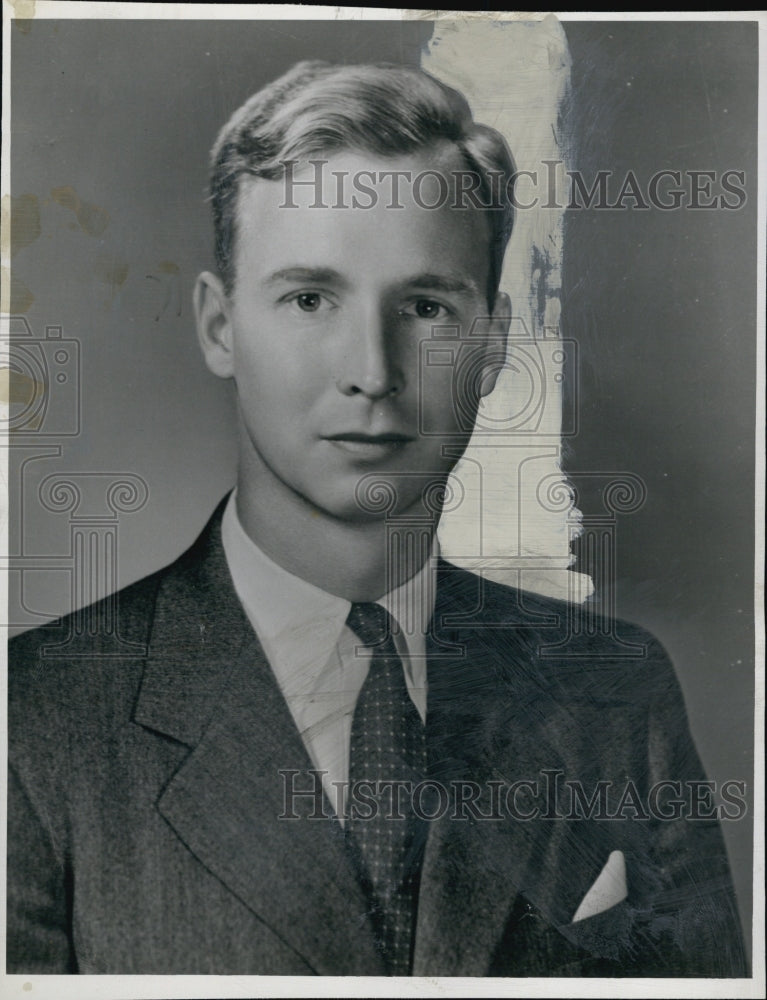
(438, 405)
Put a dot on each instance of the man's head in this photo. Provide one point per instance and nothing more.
(331, 283)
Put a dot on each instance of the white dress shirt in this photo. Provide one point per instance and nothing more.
(317, 661)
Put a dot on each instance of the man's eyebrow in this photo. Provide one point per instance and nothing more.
(327, 275)
(445, 283)
(320, 275)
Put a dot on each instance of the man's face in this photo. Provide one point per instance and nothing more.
(324, 327)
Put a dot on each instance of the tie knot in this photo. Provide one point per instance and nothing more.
(371, 623)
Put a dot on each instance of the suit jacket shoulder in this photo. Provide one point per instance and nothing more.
(572, 649)
(117, 629)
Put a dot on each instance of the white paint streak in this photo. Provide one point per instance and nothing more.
(515, 75)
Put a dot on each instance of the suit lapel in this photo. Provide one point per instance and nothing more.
(207, 683)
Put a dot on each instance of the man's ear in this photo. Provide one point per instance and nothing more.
(498, 334)
(212, 312)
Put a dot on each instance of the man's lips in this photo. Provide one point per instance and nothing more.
(388, 437)
(369, 446)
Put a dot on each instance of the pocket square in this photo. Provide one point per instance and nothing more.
(608, 890)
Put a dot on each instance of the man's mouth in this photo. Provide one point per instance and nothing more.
(371, 446)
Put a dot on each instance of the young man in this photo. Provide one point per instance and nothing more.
(333, 752)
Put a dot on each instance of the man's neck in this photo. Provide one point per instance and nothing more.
(350, 559)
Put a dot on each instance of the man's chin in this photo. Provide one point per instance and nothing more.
(389, 496)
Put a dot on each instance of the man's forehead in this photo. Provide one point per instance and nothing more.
(376, 247)
(430, 177)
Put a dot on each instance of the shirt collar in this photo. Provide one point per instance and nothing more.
(298, 624)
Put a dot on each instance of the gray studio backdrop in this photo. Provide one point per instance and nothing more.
(111, 126)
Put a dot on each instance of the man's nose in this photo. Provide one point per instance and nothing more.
(370, 365)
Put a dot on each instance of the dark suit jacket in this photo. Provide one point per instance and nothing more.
(145, 793)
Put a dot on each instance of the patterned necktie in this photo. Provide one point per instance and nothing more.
(388, 745)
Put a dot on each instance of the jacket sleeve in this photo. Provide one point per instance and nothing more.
(687, 914)
(38, 937)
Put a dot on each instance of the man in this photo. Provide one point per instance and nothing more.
(324, 749)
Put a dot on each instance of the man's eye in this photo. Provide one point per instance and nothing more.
(308, 301)
(426, 309)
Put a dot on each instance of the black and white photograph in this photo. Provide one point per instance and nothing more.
(382, 399)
